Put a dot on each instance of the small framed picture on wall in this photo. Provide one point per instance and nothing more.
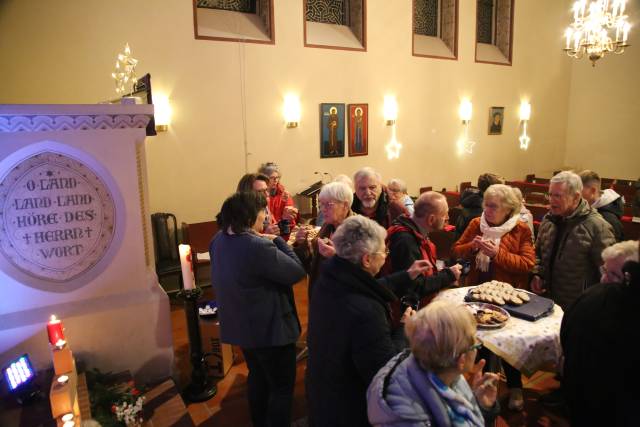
(331, 130)
(496, 117)
(358, 116)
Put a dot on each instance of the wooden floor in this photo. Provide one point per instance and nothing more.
(229, 407)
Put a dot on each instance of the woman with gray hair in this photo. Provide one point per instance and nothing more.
(350, 335)
(500, 248)
(335, 205)
(426, 386)
(280, 201)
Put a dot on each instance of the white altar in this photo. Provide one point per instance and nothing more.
(75, 238)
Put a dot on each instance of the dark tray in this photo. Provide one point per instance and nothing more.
(537, 308)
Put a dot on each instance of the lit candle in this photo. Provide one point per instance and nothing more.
(567, 34)
(625, 32)
(188, 280)
(63, 379)
(54, 329)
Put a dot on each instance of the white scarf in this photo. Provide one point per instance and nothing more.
(494, 234)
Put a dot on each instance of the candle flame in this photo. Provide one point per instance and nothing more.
(53, 318)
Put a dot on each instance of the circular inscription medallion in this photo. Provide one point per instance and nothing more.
(57, 217)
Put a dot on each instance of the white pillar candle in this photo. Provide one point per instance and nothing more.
(188, 280)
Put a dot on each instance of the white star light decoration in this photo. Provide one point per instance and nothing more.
(465, 146)
(524, 138)
(393, 147)
(126, 72)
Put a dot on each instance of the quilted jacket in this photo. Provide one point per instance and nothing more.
(576, 263)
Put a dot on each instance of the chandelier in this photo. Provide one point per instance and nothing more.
(593, 29)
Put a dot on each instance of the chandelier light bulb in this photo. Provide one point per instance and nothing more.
(525, 111)
(390, 109)
(466, 110)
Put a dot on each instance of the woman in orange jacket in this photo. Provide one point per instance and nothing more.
(501, 248)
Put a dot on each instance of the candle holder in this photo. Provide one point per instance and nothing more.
(201, 387)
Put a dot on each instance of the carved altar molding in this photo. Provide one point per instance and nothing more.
(36, 118)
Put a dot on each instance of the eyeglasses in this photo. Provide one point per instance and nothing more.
(386, 252)
(274, 178)
(476, 346)
(326, 205)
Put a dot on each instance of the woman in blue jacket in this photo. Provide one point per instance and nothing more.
(253, 275)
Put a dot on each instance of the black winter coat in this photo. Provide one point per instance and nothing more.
(601, 374)
(612, 214)
(471, 201)
(349, 340)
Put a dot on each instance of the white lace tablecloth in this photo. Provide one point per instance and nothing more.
(527, 346)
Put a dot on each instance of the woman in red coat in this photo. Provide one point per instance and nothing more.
(500, 248)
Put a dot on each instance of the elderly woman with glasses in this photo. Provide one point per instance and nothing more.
(335, 205)
(426, 386)
(350, 335)
(280, 200)
(500, 247)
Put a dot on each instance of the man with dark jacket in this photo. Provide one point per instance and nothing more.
(600, 370)
(471, 201)
(608, 203)
(408, 241)
(372, 200)
(570, 242)
(350, 336)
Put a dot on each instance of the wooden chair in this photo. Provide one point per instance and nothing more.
(165, 245)
(198, 235)
(425, 189)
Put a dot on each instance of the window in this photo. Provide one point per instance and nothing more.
(234, 20)
(435, 28)
(335, 24)
(494, 31)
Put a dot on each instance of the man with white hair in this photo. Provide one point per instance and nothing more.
(372, 199)
(570, 242)
(600, 370)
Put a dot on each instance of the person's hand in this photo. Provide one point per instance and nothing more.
(302, 234)
(489, 248)
(407, 314)
(456, 270)
(290, 213)
(484, 386)
(326, 248)
(475, 243)
(537, 285)
(272, 229)
(268, 236)
(420, 266)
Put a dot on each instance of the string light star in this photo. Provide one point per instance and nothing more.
(125, 71)
(393, 149)
(524, 141)
(465, 146)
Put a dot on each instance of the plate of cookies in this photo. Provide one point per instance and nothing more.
(498, 293)
(488, 316)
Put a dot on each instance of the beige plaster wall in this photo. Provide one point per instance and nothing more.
(603, 132)
(64, 51)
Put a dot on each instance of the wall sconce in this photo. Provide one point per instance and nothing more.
(465, 112)
(525, 115)
(390, 110)
(162, 112)
(291, 111)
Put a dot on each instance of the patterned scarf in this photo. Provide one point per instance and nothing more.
(495, 234)
(462, 412)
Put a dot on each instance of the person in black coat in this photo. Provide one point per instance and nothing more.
(350, 336)
(608, 203)
(253, 275)
(599, 333)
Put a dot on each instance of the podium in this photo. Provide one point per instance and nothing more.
(75, 237)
